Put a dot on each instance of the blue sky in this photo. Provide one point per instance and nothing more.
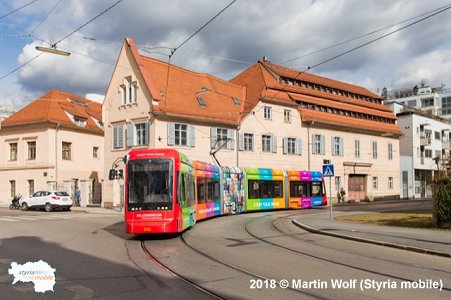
(243, 34)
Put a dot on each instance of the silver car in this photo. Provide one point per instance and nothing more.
(48, 200)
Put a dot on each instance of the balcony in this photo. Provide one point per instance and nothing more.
(425, 141)
(446, 145)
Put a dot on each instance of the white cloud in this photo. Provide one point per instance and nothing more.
(247, 31)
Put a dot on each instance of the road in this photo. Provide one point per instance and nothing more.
(246, 256)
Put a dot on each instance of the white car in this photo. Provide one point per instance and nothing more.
(48, 200)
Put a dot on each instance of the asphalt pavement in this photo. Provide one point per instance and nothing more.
(428, 241)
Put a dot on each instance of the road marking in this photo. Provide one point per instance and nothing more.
(8, 220)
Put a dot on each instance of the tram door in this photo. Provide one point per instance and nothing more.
(357, 187)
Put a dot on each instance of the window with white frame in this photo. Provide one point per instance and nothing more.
(269, 143)
(246, 142)
(129, 91)
(318, 145)
(138, 134)
(31, 150)
(287, 116)
(13, 151)
(337, 183)
(390, 151)
(390, 183)
(66, 150)
(95, 152)
(180, 134)
(292, 145)
(337, 146)
(357, 148)
(118, 136)
(375, 183)
(80, 122)
(374, 150)
(267, 113)
(221, 136)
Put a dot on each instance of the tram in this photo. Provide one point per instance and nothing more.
(166, 192)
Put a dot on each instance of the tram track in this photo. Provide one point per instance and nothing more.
(323, 258)
(177, 275)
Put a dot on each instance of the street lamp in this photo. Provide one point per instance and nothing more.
(52, 50)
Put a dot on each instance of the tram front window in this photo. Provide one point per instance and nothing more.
(150, 184)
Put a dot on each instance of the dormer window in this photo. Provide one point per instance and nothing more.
(80, 122)
(236, 101)
(201, 101)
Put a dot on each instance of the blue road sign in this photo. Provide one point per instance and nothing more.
(328, 170)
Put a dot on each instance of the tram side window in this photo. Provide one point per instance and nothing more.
(265, 189)
(181, 190)
(299, 189)
(201, 190)
(317, 188)
(213, 191)
(190, 189)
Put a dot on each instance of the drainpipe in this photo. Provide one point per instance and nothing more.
(237, 146)
(56, 154)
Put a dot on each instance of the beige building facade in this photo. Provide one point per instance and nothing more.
(261, 118)
(56, 142)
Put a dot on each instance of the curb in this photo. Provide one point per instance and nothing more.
(374, 242)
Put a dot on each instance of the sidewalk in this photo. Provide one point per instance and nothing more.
(429, 241)
(97, 210)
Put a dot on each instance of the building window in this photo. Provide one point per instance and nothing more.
(390, 151)
(95, 152)
(427, 102)
(66, 150)
(287, 116)
(220, 136)
(12, 187)
(375, 183)
(30, 186)
(31, 150)
(138, 134)
(374, 150)
(337, 146)
(181, 135)
(13, 151)
(129, 91)
(292, 145)
(118, 136)
(247, 142)
(80, 122)
(269, 143)
(428, 153)
(267, 113)
(437, 135)
(357, 148)
(318, 146)
(390, 183)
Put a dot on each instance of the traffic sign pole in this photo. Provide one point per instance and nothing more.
(328, 171)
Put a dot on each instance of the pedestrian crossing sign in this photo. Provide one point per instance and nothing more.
(328, 170)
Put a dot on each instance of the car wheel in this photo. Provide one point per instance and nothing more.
(48, 207)
(24, 206)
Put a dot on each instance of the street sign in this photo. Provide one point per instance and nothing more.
(328, 170)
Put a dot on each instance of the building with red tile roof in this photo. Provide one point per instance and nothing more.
(55, 142)
(267, 116)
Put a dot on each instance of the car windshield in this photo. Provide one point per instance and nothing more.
(150, 184)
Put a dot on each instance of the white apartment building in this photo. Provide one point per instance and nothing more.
(434, 101)
(424, 149)
(267, 116)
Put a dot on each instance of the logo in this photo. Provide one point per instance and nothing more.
(40, 273)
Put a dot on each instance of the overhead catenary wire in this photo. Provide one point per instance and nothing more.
(17, 9)
(46, 16)
(363, 35)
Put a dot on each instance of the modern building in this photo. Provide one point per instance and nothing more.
(424, 149)
(55, 142)
(267, 116)
(435, 101)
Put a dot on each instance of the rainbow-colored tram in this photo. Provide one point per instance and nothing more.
(166, 192)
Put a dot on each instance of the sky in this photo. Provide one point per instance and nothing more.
(295, 33)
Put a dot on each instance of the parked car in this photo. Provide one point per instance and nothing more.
(49, 200)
